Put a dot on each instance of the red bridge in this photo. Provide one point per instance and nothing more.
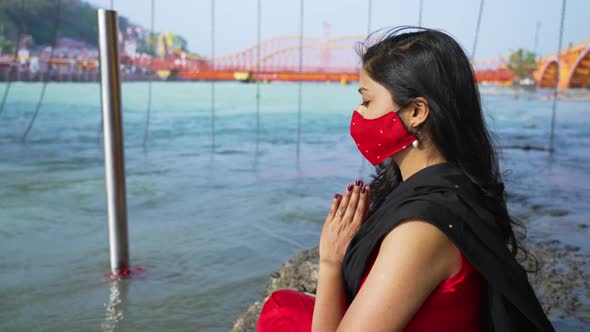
(324, 59)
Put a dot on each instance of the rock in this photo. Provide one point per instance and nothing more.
(562, 280)
(551, 212)
(561, 283)
(556, 212)
(299, 273)
(247, 322)
(571, 248)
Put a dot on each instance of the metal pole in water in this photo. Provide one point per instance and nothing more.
(114, 158)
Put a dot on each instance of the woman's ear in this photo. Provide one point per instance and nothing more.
(420, 112)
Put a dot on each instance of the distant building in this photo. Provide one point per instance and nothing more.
(130, 47)
(67, 42)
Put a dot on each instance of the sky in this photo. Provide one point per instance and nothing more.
(506, 24)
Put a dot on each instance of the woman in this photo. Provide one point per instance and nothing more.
(428, 245)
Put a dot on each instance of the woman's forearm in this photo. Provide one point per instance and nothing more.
(328, 311)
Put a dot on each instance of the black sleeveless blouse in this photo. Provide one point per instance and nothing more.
(443, 195)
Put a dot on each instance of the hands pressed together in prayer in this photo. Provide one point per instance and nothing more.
(347, 213)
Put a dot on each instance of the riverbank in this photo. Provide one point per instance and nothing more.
(78, 76)
(562, 283)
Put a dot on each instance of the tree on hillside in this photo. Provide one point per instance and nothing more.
(77, 20)
(522, 63)
(13, 17)
(37, 18)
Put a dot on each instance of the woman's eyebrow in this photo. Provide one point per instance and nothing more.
(362, 89)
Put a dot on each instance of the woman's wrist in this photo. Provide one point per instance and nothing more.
(330, 267)
(330, 263)
(328, 311)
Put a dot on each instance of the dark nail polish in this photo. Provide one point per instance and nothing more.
(357, 182)
(349, 188)
(363, 190)
(335, 195)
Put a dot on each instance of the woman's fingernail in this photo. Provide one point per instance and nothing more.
(336, 195)
(357, 182)
(349, 188)
(363, 190)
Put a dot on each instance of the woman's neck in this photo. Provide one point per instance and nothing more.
(413, 159)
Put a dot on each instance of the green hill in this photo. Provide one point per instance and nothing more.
(38, 18)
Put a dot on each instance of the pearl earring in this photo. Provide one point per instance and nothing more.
(415, 142)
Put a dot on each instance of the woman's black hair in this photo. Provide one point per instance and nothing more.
(431, 64)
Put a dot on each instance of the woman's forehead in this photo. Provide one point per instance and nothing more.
(365, 82)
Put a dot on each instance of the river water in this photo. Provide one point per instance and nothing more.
(208, 226)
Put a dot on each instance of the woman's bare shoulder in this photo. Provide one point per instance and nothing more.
(419, 239)
(412, 260)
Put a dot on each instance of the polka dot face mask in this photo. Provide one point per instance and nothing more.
(378, 139)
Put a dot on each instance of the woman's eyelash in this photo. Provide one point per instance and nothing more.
(365, 103)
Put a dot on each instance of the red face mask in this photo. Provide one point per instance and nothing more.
(378, 139)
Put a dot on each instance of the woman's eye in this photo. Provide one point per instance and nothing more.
(365, 103)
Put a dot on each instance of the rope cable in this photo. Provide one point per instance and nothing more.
(47, 71)
(369, 19)
(258, 31)
(212, 78)
(300, 94)
(15, 56)
(477, 30)
(420, 13)
(149, 103)
(554, 106)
